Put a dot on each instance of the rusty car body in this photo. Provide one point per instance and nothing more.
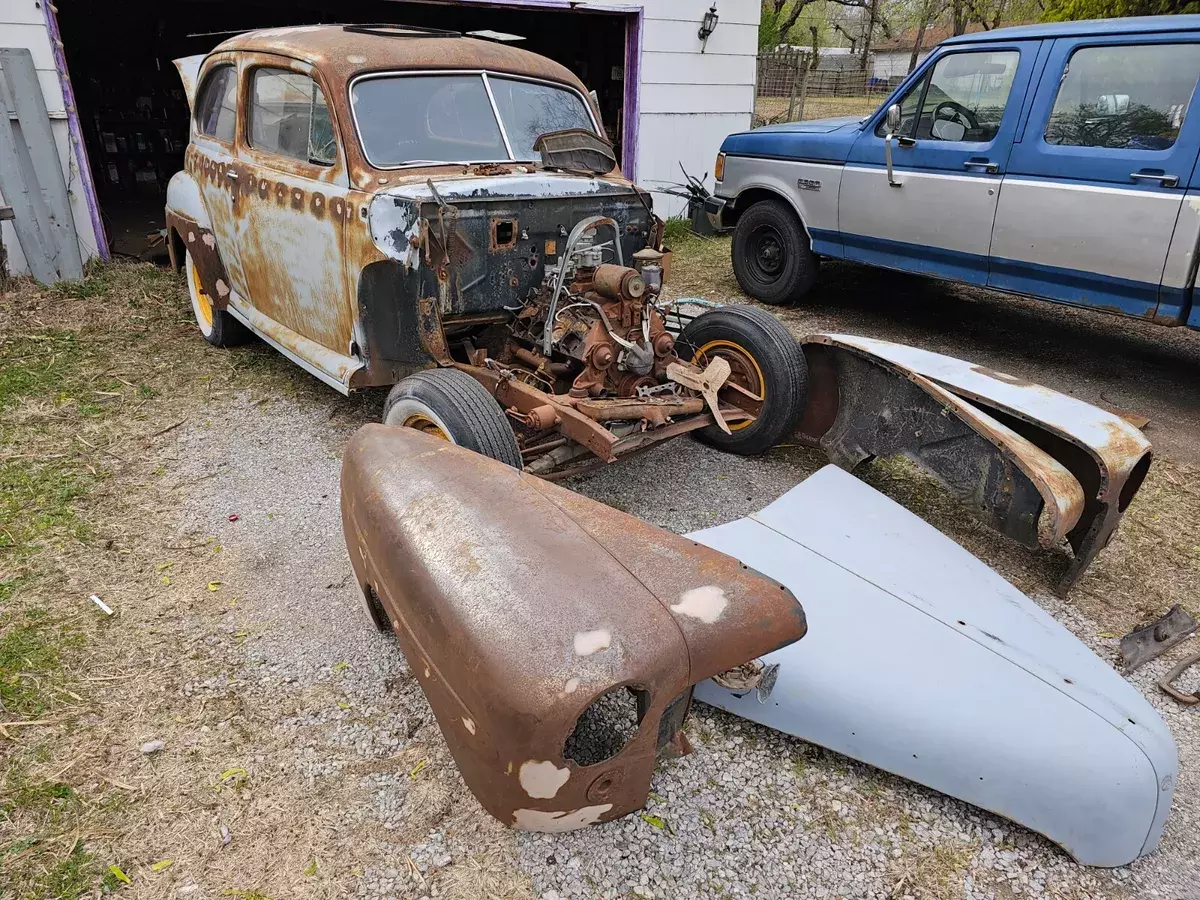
(1036, 465)
(397, 206)
(521, 605)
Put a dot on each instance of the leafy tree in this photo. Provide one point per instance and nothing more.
(1063, 10)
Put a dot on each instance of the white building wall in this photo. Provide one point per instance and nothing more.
(895, 63)
(23, 24)
(690, 101)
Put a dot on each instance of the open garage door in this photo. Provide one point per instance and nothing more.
(134, 114)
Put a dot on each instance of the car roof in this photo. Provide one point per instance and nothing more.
(1132, 25)
(347, 50)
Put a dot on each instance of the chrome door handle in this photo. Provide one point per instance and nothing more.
(1164, 180)
(231, 175)
(990, 167)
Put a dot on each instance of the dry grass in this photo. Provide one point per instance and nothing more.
(772, 110)
(94, 379)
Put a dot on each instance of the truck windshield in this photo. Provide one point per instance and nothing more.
(425, 119)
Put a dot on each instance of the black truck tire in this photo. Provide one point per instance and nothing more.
(772, 257)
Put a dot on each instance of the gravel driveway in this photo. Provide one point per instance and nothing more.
(751, 813)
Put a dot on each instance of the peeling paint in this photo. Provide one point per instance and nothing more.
(704, 603)
(558, 822)
(571, 686)
(543, 780)
(589, 642)
(468, 724)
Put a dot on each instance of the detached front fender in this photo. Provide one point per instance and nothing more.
(520, 604)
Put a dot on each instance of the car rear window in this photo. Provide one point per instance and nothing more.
(216, 111)
(413, 119)
(1132, 97)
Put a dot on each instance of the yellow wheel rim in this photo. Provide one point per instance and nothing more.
(746, 373)
(427, 425)
(203, 301)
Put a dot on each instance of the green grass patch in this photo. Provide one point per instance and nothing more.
(31, 647)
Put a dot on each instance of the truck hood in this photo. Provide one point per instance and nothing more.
(822, 140)
(813, 126)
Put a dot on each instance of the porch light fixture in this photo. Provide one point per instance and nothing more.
(708, 26)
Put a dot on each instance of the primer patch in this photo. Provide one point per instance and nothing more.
(589, 642)
(558, 822)
(542, 780)
(704, 603)
(571, 686)
(469, 725)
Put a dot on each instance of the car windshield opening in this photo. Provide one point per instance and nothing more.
(412, 119)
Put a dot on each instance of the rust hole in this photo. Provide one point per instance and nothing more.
(606, 726)
(504, 234)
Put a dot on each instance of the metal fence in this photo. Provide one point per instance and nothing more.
(791, 90)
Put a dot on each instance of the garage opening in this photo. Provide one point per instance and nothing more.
(134, 114)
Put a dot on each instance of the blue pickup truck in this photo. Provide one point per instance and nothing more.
(1057, 161)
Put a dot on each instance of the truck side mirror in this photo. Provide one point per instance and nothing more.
(893, 118)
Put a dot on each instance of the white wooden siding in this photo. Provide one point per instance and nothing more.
(690, 101)
(22, 24)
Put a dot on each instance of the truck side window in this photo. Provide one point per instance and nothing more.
(1131, 97)
(962, 99)
(289, 116)
(216, 111)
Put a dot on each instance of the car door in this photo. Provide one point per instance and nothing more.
(1096, 184)
(934, 215)
(294, 216)
(214, 136)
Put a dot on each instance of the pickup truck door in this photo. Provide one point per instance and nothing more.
(1096, 182)
(934, 214)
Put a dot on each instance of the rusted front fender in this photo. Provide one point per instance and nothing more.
(1036, 465)
(519, 604)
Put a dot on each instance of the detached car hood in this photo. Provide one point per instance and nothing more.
(924, 662)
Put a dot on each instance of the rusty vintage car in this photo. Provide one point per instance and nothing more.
(398, 206)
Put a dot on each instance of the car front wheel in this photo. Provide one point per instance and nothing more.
(453, 406)
(765, 362)
(772, 256)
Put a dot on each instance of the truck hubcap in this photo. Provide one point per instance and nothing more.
(766, 252)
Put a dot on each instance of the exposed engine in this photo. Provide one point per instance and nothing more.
(595, 331)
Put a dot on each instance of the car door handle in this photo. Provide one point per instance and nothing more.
(231, 175)
(1164, 180)
(986, 164)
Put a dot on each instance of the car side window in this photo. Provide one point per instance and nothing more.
(216, 110)
(289, 116)
(1132, 97)
(962, 99)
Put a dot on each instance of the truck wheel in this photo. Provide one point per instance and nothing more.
(765, 360)
(453, 406)
(772, 257)
(218, 327)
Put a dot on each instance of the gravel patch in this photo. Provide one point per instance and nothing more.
(751, 813)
